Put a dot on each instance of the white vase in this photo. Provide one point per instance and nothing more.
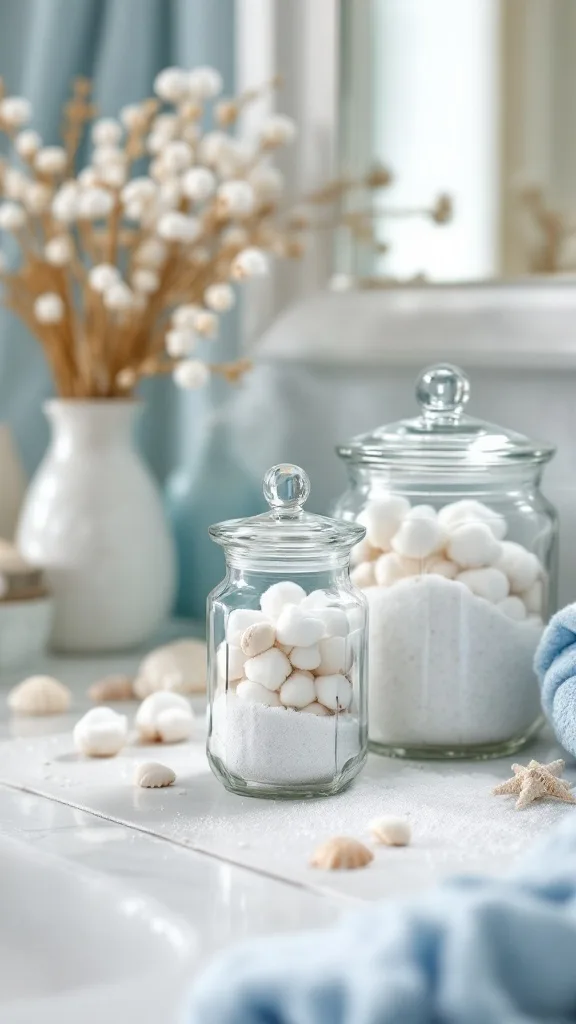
(93, 520)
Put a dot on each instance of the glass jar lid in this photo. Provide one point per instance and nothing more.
(443, 436)
(287, 533)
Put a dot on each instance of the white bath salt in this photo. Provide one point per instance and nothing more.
(278, 745)
(446, 667)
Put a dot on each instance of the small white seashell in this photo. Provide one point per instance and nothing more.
(112, 688)
(165, 717)
(298, 690)
(179, 667)
(238, 621)
(488, 583)
(334, 692)
(259, 637)
(472, 546)
(39, 695)
(298, 628)
(341, 853)
(255, 693)
(306, 658)
(153, 775)
(101, 732)
(270, 669)
(278, 595)
(391, 831)
(230, 661)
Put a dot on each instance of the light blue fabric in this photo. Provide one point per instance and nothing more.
(555, 665)
(120, 45)
(473, 951)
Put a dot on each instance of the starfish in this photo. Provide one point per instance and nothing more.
(535, 781)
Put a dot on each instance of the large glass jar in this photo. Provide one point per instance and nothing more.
(287, 650)
(459, 569)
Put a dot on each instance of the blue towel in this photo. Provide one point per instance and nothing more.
(473, 951)
(555, 665)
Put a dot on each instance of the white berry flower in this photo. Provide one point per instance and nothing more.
(51, 160)
(206, 324)
(277, 130)
(191, 133)
(177, 155)
(37, 198)
(151, 252)
(251, 262)
(88, 177)
(126, 378)
(15, 183)
(103, 156)
(185, 316)
(144, 280)
(158, 170)
(191, 374)
(118, 297)
(169, 194)
(204, 83)
(49, 308)
(139, 190)
(213, 147)
(113, 174)
(12, 217)
(180, 342)
(103, 276)
(235, 160)
(166, 126)
(27, 143)
(65, 203)
(235, 198)
(171, 85)
(220, 297)
(178, 227)
(198, 184)
(267, 182)
(106, 131)
(94, 203)
(59, 251)
(133, 116)
(15, 111)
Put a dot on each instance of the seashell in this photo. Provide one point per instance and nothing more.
(179, 667)
(112, 688)
(39, 695)
(153, 775)
(101, 732)
(165, 718)
(341, 853)
(391, 831)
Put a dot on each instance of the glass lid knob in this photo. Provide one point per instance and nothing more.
(442, 391)
(286, 487)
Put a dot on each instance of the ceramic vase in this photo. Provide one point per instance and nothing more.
(93, 520)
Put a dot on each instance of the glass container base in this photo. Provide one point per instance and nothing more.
(287, 791)
(467, 752)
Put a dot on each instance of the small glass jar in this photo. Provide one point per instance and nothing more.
(459, 569)
(287, 650)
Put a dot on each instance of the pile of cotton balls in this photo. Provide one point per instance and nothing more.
(295, 652)
(463, 541)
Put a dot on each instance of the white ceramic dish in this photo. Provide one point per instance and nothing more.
(76, 947)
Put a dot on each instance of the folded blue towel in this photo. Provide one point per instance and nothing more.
(473, 951)
(555, 665)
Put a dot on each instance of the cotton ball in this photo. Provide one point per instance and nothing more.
(165, 717)
(59, 251)
(335, 621)
(306, 658)
(316, 599)
(37, 198)
(27, 143)
(489, 583)
(198, 184)
(255, 693)
(418, 537)
(267, 182)
(238, 621)
(118, 297)
(468, 510)
(230, 661)
(278, 595)
(473, 545)
(12, 217)
(257, 638)
(441, 567)
(235, 199)
(145, 280)
(15, 111)
(106, 132)
(177, 155)
(94, 203)
(151, 252)
(101, 732)
(391, 831)
(103, 276)
(334, 692)
(298, 690)
(521, 566)
(270, 668)
(171, 84)
(513, 608)
(390, 568)
(533, 598)
(363, 552)
(298, 628)
(204, 83)
(315, 709)
(178, 227)
(382, 518)
(335, 656)
(362, 575)
(65, 203)
(51, 160)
